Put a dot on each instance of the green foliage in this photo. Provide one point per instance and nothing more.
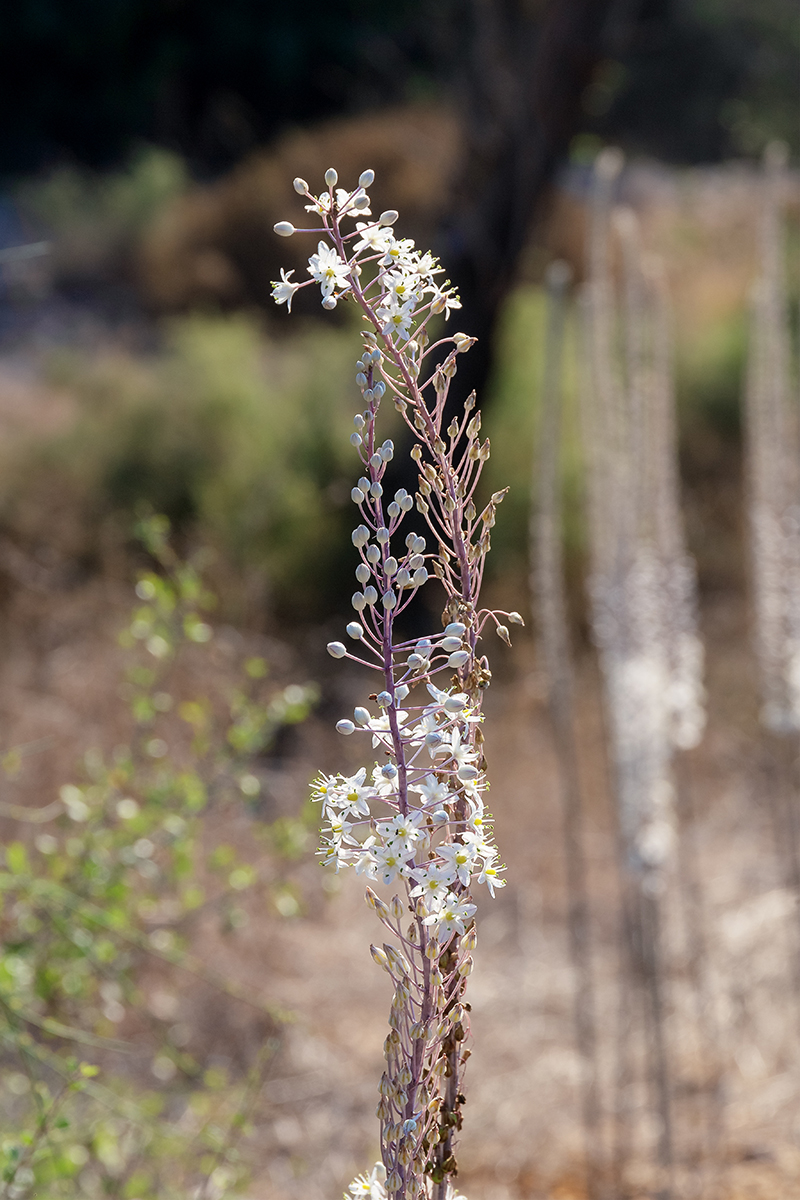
(511, 421)
(114, 883)
(237, 438)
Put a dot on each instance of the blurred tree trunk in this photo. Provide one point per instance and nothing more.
(527, 64)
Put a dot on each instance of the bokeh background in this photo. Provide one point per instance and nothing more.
(146, 149)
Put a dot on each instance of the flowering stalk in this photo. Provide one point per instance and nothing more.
(417, 819)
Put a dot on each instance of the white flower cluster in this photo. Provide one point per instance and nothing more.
(365, 827)
(404, 284)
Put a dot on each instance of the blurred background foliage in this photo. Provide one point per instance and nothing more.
(153, 143)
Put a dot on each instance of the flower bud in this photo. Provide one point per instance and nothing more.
(362, 573)
(376, 903)
(362, 715)
(375, 490)
(382, 535)
(393, 509)
(331, 177)
(503, 634)
(358, 601)
(390, 567)
(355, 439)
(433, 739)
(389, 600)
(373, 554)
(336, 649)
(356, 494)
(384, 699)
(361, 202)
(420, 577)
(366, 179)
(376, 462)
(389, 771)
(465, 968)
(370, 595)
(361, 379)
(387, 450)
(380, 957)
(284, 228)
(455, 703)
(346, 727)
(419, 545)
(424, 647)
(360, 536)
(358, 421)
(451, 643)
(398, 909)
(458, 659)
(401, 691)
(414, 661)
(455, 629)
(329, 303)
(389, 217)
(379, 389)
(300, 186)
(515, 618)
(467, 773)
(355, 631)
(403, 578)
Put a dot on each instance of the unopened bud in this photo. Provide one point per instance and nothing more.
(284, 228)
(503, 634)
(458, 659)
(300, 186)
(397, 908)
(366, 179)
(451, 643)
(465, 968)
(389, 217)
(346, 727)
(331, 177)
(379, 957)
(336, 649)
(455, 629)
(355, 631)
(329, 303)
(515, 618)
(362, 716)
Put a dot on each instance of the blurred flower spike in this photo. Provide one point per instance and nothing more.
(415, 819)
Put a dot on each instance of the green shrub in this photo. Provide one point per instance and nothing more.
(118, 871)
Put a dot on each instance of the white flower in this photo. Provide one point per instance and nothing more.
(458, 750)
(321, 205)
(371, 1186)
(402, 831)
(283, 290)
(401, 287)
(398, 253)
(380, 728)
(490, 877)
(432, 885)
(452, 916)
(396, 320)
(434, 791)
(457, 861)
(391, 860)
(374, 236)
(443, 302)
(328, 269)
